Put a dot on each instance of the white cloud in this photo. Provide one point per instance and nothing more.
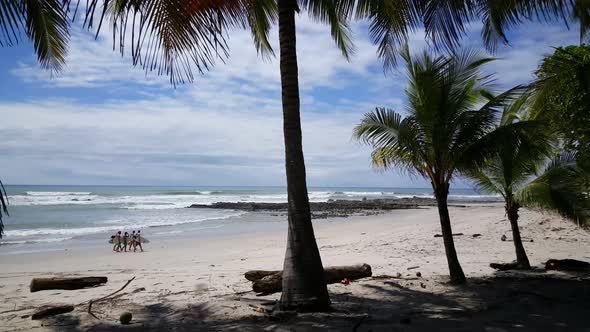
(169, 140)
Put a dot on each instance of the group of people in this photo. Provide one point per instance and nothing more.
(127, 241)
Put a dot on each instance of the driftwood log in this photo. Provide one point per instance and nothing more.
(52, 311)
(39, 284)
(269, 282)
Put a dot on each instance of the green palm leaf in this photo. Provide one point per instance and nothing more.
(335, 15)
(3, 206)
(262, 15)
(44, 22)
(562, 188)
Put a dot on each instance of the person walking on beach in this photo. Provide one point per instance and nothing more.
(117, 242)
(133, 242)
(125, 241)
(138, 241)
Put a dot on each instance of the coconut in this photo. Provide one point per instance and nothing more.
(125, 318)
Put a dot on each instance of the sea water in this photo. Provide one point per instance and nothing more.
(55, 217)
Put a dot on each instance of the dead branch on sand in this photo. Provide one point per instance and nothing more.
(106, 297)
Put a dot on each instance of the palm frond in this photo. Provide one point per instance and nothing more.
(178, 37)
(488, 179)
(335, 15)
(499, 16)
(3, 206)
(582, 15)
(390, 24)
(445, 21)
(379, 128)
(559, 188)
(262, 15)
(44, 22)
(396, 142)
(479, 141)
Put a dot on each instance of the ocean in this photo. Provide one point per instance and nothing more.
(46, 218)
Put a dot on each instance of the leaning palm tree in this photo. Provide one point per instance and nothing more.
(438, 136)
(521, 147)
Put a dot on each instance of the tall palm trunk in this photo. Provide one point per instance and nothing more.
(455, 270)
(512, 213)
(304, 285)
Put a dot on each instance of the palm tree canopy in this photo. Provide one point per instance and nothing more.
(443, 122)
(179, 42)
(520, 147)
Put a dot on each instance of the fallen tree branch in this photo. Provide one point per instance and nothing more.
(106, 297)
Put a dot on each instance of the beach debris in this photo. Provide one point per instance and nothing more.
(413, 267)
(503, 238)
(360, 321)
(476, 235)
(52, 311)
(106, 297)
(345, 281)
(422, 285)
(40, 284)
(125, 318)
(418, 274)
(454, 234)
(567, 265)
(269, 282)
(398, 276)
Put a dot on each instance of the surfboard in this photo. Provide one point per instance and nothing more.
(143, 240)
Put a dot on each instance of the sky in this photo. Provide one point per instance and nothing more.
(103, 121)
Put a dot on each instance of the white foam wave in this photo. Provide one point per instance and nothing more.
(72, 232)
(47, 240)
(162, 201)
(57, 193)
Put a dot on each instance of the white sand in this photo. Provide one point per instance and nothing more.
(204, 276)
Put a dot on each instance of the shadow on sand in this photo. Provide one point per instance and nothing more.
(503, 303)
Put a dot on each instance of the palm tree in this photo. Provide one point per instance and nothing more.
(521, 146)
(438, 137)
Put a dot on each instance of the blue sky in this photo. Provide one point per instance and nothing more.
(102, 121)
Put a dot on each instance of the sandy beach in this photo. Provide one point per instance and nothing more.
(189, 285)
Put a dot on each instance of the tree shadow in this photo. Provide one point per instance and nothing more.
(484, 304)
